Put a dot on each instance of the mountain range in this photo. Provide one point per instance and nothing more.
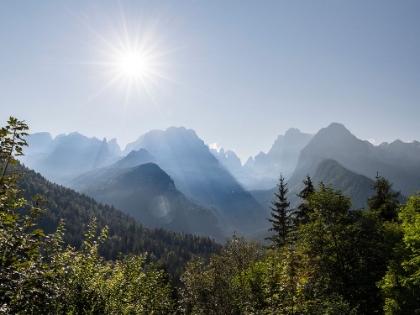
(171, 178)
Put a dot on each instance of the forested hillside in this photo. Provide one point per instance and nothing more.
(125, 235)
(149, 195)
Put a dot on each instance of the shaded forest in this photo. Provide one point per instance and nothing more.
(166, 249)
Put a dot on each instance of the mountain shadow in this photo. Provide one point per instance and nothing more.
(198, 174)
(149, 194)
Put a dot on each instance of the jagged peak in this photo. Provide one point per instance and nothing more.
(337, 127)
(334, 131)
(292, 131)
(181, 130)
(229, 153)
(41, 134)
(261, 154)
(250, 160)
(136, 153)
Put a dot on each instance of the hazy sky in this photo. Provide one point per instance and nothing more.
(237, 72)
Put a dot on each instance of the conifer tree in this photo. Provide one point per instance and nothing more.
(302, 213)
(384, 201)
(280, 216)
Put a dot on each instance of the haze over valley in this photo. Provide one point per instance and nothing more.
(172, 179)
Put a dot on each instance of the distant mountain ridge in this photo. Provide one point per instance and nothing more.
(337, 143)
(264, 169)
(65, 156)
(355, 186)
(217, 179)
(283, 155)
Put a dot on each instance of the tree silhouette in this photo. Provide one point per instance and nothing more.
(280, 216)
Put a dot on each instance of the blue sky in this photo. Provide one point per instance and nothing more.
(237, 72)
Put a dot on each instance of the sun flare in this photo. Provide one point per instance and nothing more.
(133, 58)
(135, 64)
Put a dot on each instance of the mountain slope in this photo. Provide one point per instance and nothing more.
(148, 194)
(126, 235)
(332, 174)
(282, 157)
(355, 186)
(198, 174)
(337, 143)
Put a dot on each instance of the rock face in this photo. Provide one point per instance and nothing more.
(66, 156)
(39, 146)
(281, 159)
(39, 142)
(114, 148)
(230, 161)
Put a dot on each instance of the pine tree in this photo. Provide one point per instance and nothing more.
(302, 214)
(280, 216)
(385, 201)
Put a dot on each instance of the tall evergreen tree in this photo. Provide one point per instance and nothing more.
(384, 201)
(302, 213)
(280, 216)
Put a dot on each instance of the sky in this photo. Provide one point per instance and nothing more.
(239, 73)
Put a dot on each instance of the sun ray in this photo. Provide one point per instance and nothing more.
(132, 57)
(111, 82)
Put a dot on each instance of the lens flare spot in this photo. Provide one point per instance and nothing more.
(160, 208)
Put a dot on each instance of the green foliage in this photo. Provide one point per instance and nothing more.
(347, 249)
(166, 249)
(281, 216)
(401, 284)
(22, 276)
(384, 201)
(39, 276)
(303, 211)
(229, 284)
(341, 261)
(279, 281)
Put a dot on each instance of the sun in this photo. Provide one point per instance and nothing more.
(132, 57)
(135, 64)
